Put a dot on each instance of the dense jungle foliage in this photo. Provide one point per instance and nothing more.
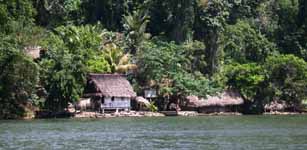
(180, 47)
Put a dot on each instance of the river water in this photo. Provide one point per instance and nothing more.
(186, 133)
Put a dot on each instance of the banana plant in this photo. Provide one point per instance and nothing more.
(118, 61)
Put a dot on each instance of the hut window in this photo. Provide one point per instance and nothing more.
(112, 99)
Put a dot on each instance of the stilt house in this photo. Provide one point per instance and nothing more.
(109, 92)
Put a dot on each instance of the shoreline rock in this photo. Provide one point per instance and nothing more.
(119, 114)
(187, 113)
(89, 114)
(149, 114)
(222, 114)
(284, 113)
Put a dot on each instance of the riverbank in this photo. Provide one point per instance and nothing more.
(150, 114)
(285, 113)
(89, 114)
(170, 113)
(118, 114)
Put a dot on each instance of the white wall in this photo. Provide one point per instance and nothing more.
(118, 102)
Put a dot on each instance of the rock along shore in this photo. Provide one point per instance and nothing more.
(146, 114)
(119, 114)
(89, 114)
(284, 113)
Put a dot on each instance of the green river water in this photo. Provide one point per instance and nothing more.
(186, 133)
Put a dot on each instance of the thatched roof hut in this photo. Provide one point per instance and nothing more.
(193, 102)
(109, 92)
(109, 85)
(227, 98)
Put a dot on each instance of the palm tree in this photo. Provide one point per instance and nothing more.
(135, 24)
(118, 61)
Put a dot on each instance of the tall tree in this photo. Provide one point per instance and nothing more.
(16, 13)
(18, 80)
(182, 20)
(243, 44)
(135, 25)
(70, 54)
(174, 19)
(58, 12)
(210, 22)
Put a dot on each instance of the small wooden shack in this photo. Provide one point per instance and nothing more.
(109, 92)
(227, 101)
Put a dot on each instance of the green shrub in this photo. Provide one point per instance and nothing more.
(18, 80)
(287, 78)
(247, 78)
(173, 69)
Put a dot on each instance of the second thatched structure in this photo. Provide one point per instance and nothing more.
(227, 101)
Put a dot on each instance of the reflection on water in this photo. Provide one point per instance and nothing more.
(231, 132)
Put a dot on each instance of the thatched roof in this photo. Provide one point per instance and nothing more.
(227, 98)
(33, 51)
(276, 106)
(142, 100)
(194, 101)
(112, 85)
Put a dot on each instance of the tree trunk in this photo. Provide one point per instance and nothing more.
(212, 52)
(183, 21)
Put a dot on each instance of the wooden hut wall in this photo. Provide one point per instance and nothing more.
(117, 102)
